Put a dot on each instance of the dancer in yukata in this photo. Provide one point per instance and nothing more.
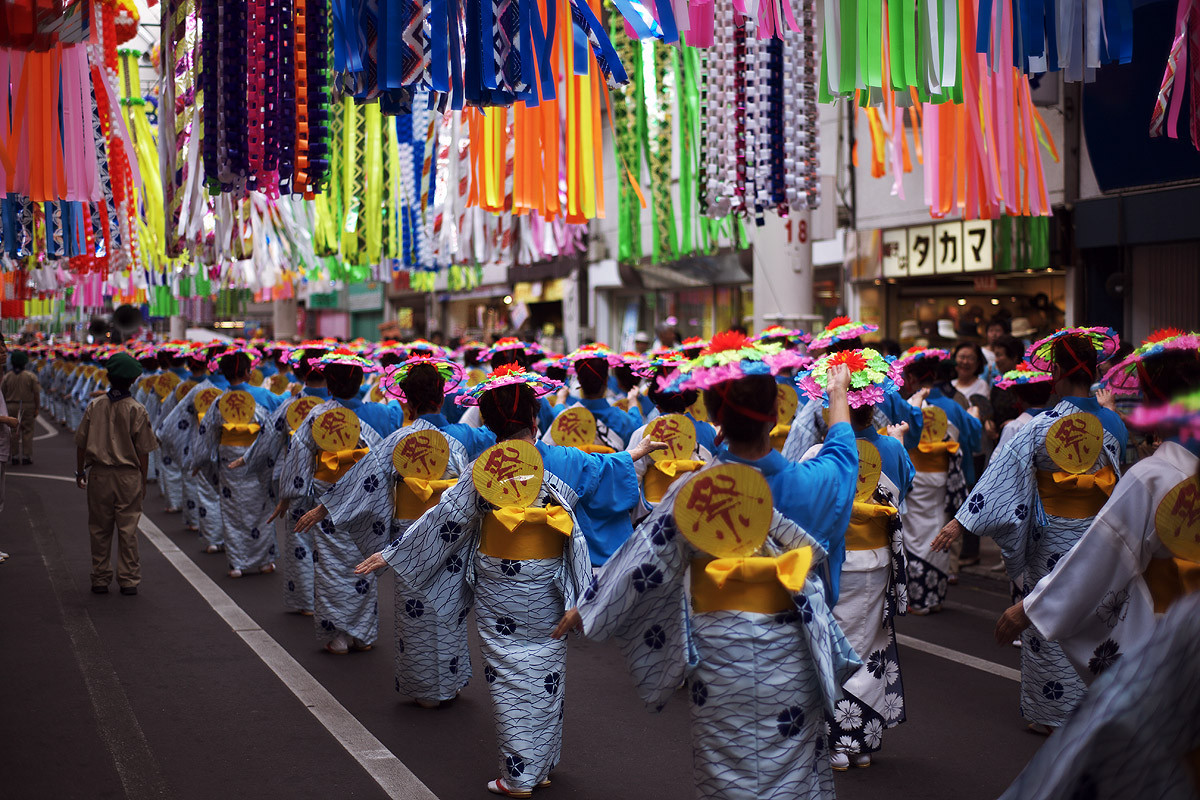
(605, 428)
(333, 438)
(762, 654)
(266, 456)
(510, 535)
(874, 586)
(940, 484)
(1041, 493)
(1100, 601)
(230, 427)
(388, 490)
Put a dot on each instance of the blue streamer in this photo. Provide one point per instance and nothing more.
(527, 52)
(666, 18)
(439, 63)
(456, 76)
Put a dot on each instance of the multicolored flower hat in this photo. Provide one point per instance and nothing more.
(549, 362)
(462, 350)
(873, 376)
(637, 364)
(452, 373)
(1179, 417)
(914, 354)
(1128, 376)
(345, 357)
(508, 375)
(246, 350)
(313, 348)
(417, 346)
(1104, 340)
(510, 343)
(840, 329)
(692, 343)
(789, 336)
(730, 356)
(1023, 374)
(594, 350)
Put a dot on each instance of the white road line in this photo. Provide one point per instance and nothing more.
(960, 658)
(46, 426)
(974, 611)
(388, 771)
(11, 474)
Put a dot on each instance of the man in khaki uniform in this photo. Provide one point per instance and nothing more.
(113, 443)
(23, 394)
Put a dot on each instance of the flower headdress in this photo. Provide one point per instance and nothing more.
(692, 343)
(422, 346)
(840, 329)
(245, 350)
(914, 354)
(595, 350)
(466, 347)
(1104, 340)
(309, 350)
(510, 343)
(1023, 374)
(554, 360)
(453, 374)
(345, 357)
(873, 376)
(1128, 376)
(792, 336)
(730, 356)
(637, 363)
(1180, 416)
(508, 375)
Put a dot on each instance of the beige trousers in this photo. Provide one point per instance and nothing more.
(114, 497)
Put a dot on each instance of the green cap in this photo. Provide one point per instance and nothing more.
(20, 358)
(123, 365)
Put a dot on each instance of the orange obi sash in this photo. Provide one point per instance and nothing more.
(932, 456)
(1075, 496)
(332, 466)
(759, 584)
(600, 449)
(869, 526)
(661, 474)
(525, 534)
(779, 436)
(414, 496)
(237, 434)
(1170, 579)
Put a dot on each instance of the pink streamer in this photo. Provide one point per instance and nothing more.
(702, 16)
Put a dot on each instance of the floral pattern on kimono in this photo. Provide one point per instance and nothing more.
(179, 430)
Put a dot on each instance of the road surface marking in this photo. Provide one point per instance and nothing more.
(960, 658)
(974, 611)
(11, 474)
(380, 763)
(46, 426)
(119, 726)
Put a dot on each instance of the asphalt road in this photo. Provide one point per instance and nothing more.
(165, 695)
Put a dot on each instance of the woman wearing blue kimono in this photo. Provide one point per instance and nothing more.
(762, 654)
(324, 448)
(390, 489)
(518, 586)
(266, 456)
(229, 429)
(1040, 494)
(613, 424)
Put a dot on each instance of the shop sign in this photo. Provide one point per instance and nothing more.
(941, 249)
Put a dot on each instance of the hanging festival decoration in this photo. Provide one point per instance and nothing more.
(1180, 73)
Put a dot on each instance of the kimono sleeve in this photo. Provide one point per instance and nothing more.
(803, 433)
(269, 443)
(474, 440)
(299, 465)
(1000, 505)
(970, 432)
(360, 503)
(607, 484)
(547, 413)
(899, 410)
(830, 479)
(208, 438)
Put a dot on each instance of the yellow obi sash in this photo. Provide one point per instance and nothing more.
(414, 496)
(932, 456)
(525, 534)
(869, 526)
(601, 449)
(332, 466)
(779, 436)
(1170, 579)
(1075, 496)
(238, 434)
(661, 474)
(760, 584)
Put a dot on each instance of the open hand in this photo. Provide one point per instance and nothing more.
(279, 511)
(1011, 623)
(838, 380)
(898, 432)
(373, 563)
(237, 463)
(1106, 399)
(948, 535)
(571, 621)
(918, 397)
(306, 522)
(644, 448)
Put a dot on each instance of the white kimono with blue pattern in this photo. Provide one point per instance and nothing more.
(517, 605)
(433, 660)
(809, 428)
(1006, 506)
(342, 601)
(179, 430)
(760, 685)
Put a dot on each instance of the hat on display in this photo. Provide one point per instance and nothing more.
(1021, 328)
(945, 329)
(642, 337)
(1104, 340)
(909, 329)
(873, 376)
(508, 375)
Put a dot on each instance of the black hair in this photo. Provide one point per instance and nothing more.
(888, 347)
(557, 374)
(509, 411)
(671, 402)
(592, 374)
(343, 380)
(1004, 322)
(514, 355)
(861, 417)
(1075, 358)
(234, 366)
(165, 360)
(844, 344)
(390, 358)
(1011, 347)
(980, 361)
(929, 370)
(742, 407)
(1168, 374)
(152, 361)
(471, 356)
(625, 377)
(1034, 395)
(424, 388)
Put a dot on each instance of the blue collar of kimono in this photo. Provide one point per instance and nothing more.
(935, 394)
(868, 433)
(219, 381)
(595, 404)
(1089, 404)
(437, 420)
(769, 464)
(353, 402)
(181, 372)
(315, 391)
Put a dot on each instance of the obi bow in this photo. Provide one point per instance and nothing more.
(332, 465)
(425, 489)
(938, 447)
(599, 449)
(1104, 480)
(676, 466)
(557, 517)
(789, 569)
(241, 427)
